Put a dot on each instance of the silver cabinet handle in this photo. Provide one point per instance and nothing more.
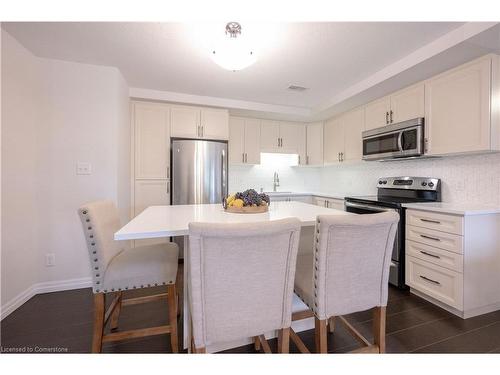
(246, 157)
(430, 280)
(429, 237)
(202, 130)
(431, 255)
(168, 172)
(430, 221)
(387, 118)
(390, 120)
(338, 156)
(307, 159)
(168, 187)
(199, 132)
(242, 157)
(299, 159)
(341, 156)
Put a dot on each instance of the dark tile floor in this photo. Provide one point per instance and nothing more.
(63, 320)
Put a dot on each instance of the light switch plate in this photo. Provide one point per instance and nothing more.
(83, 168)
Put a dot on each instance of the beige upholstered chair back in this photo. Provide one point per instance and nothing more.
(241, 278)
(351, 262)
(100, 221)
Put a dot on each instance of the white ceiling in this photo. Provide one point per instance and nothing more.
(328, 58)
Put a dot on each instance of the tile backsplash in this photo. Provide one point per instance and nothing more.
(471, 179)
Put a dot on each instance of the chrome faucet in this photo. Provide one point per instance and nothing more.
(276, 181)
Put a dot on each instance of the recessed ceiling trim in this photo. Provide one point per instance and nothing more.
(167, 96)
(426, 52)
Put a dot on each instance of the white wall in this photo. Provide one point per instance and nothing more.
(77, 112)
(471, 179)
(20, 110)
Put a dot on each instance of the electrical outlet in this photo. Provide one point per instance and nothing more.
(50, 259)
(83, 168)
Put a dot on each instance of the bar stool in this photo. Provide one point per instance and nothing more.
(348, 272)
(116, 269)
(241, 281)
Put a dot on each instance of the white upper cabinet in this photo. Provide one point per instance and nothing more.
(269, 136)
(353, 124)
(314, 148)
(195, 122)
(291, 134)
(185, 121)
(377, 113)
(214, 123)
(333, 140)
(283, 137)
(403, 105)
(408, 104)
(244, 141)
(343, 137)
(152, 140)
(458, 109)
(252, 141)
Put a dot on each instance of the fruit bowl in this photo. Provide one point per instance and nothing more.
(247, 202)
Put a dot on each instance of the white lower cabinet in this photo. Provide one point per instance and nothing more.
(335, 203)
(459, 272)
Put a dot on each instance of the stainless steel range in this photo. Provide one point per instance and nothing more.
(392, 192)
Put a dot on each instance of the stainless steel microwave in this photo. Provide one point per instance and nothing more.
(401, 140)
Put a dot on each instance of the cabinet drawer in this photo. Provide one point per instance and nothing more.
(442, 240)
(436, 221)
(439, 257)
(437, 282)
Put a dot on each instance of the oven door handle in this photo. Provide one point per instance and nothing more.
(367, 207)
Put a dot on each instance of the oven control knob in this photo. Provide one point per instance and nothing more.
(384, 182)
(424, 183)
(380, 182)
(430, 184)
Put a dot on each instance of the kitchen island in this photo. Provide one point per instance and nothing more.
(169, 221)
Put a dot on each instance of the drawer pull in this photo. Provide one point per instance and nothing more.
(429, 237)
(431, 221)
(431, 255)
(430, 280)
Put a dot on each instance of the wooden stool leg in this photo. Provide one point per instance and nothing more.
(320, 335)
(331, 324)
(256, 343)
(116, 313)
(98, 322)
(172, 314)
(379, 315)
(284, 340)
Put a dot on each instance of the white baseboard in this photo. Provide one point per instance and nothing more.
(45, 287)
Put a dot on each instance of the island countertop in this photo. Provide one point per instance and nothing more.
(167, 221)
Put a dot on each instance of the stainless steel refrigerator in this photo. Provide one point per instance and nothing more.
(199, 172)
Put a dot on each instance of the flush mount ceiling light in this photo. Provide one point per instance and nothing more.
(233, 51)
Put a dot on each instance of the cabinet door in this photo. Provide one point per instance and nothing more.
(376, 113)
(408, 104)
(184, 121)
(302, 144)
(353, 125)
(333, 140)
(152, 140)
(337, 204)
(252, 141)
(291, 134)
(150, 193)
(315, 143)
(319, 201)
(457, 110)
(269, 136)
(214, 123)
(236, 140)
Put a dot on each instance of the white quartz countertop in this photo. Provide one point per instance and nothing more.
(166, 221)
(455, 208)
(302, 193)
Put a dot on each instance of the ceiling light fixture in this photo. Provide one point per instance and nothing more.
(233, 52)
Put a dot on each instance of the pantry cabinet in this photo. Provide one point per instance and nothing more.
(244, 141)
(342, 140)
(458, 110)
(196, 122)
(314, 144)
(151, 124)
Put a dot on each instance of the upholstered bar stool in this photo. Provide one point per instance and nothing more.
(348, 272)
(241, 281)
(116, 269)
